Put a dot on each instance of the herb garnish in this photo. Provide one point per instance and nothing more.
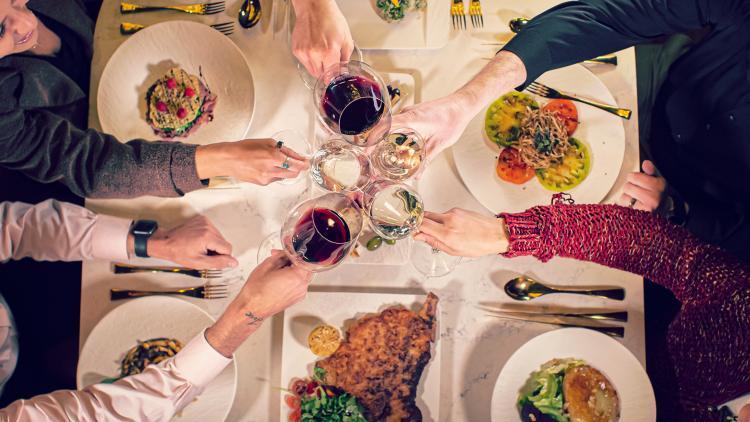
(324, 405)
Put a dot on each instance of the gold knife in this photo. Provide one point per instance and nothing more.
(613, 331)
(620, 316)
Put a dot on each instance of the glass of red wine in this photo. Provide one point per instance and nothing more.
(352, 100)
(321, 232)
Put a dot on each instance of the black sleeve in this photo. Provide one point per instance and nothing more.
(49, 148)
(579, 30)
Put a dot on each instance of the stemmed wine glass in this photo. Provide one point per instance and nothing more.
(396, 211)
(400, 155)
(352, 101)
(340, 167)
(319, 233)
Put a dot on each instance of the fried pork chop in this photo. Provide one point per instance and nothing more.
(590, 396)
(382, 359)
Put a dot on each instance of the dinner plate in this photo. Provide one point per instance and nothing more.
(340, 309)
(603, 133)
(604, 353)
(144, 319)
(149, 54)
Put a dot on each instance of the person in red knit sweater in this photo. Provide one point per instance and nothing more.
(707, 358)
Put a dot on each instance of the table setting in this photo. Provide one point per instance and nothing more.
(491, 326)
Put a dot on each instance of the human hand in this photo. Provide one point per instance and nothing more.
(196, 243)
(256, 161)
(647, 189)
(440, 123)
(461, 232)
(321, 36)
(744, 414)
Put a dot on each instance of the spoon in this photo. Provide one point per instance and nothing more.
(526, 288)
(517, 24)
(249, 13)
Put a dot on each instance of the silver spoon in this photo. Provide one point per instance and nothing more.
(526, 288)
(249, 13)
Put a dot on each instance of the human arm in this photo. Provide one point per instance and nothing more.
(162, 390)
(58, 231)
(321, 36)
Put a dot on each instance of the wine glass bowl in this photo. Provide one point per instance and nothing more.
(394, 210)
(320, 233)
(400, 155)
(340, 167)
(352, 100)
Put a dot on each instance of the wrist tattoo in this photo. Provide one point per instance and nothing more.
(253, 319)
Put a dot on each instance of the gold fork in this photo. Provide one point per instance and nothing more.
(547, 92)
(195, 9)
(475, 10)
(128, 28)
(458, 14)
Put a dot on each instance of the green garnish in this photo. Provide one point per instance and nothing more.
(390, 241)
(374, 243)
(323, 405)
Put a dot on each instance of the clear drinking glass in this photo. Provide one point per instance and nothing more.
(400, 155)
(340, 167)
(321, 232)
(352, 100)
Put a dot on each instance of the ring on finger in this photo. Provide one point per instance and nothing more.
(285, 164)
(632, 202)
(279, 144)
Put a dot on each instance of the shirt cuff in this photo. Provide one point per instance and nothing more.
(183, 170)
(109, 238)
(199, 362)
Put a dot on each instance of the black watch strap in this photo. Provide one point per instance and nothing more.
(142, 231)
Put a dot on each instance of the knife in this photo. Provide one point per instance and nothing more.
(597, 316)
(612, 331)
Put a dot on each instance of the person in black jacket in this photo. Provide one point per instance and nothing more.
(700, 131)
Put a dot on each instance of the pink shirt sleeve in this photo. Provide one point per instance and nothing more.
(156, 394)
(58, 231)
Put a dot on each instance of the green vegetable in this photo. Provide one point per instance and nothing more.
(570, 171)
(323, 405)
(374, 243)
(390, 241)
(544, 390)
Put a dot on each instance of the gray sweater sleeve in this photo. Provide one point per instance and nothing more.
(49, 148)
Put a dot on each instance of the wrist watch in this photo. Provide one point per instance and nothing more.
(142, 231)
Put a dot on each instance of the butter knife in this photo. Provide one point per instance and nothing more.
(612, 331)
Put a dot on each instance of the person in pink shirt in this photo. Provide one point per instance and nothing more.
(53, 230)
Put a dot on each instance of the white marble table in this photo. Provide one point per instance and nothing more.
(474, 347)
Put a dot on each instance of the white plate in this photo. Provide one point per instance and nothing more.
(339, 310)
(148, 54)
(600, 351)
(602, 132)
(147, 318)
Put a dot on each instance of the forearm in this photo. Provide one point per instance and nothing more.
(503, 73)
(631, 240)
(579, 30)
(236, 324)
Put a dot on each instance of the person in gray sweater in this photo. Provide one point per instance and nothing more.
(45, 62)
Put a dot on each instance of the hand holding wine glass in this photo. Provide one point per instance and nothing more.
(321, 35)
(258, 161)
(460, 232)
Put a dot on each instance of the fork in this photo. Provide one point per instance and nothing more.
(127, 28)
(547, 92)
(130, 269)
(458, 14)
(195, 9)
(208, 291)
(475, 10)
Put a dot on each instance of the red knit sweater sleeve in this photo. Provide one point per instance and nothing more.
(630, 240)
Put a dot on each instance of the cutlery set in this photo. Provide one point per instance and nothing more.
(249, 14)
(458, 13)
(525, 289)
(206, 291)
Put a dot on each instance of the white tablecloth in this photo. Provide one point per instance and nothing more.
(474, 348)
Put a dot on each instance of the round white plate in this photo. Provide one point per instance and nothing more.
(602, 132)
(147, 318)
(149, 54)
(604, 353)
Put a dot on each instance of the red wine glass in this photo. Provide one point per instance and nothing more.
(321, 232)
(352, 100)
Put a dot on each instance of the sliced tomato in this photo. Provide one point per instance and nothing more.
(296, 415)
(566, 111)
(292, 401)
(511, 169)
(570, 172)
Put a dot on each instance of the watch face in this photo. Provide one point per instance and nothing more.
(145, 227)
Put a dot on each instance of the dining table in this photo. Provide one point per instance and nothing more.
(474, 347)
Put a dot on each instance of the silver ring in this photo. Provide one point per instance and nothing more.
(279, 144)
(632, 202)
(285, 164)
